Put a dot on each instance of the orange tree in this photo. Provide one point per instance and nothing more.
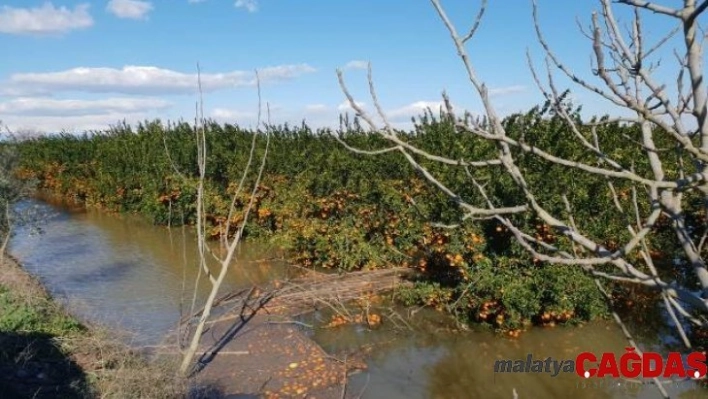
(334, 209)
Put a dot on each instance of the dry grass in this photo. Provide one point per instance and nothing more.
(113, 370)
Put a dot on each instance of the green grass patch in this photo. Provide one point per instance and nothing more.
(38, 315)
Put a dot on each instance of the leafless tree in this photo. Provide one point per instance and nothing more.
(623, 68)
(227, 259)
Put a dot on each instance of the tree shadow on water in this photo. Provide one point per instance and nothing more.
(33, 366)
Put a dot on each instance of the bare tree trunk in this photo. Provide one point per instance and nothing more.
(231, 245)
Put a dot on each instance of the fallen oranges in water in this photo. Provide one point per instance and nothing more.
(371, 320)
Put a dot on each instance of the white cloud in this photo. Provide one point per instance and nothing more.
(6, 90)
(316, 108)
(357, 64)
(143, 80)
(45, 19)
(130, 9)
(280, 73)
(503, 91)
(231, 115)
(78, 124)
(250, 5)
(346, 106)
(315, 117)
(68, 107)
(72, 115)
(400, 118)
(195, 1)
(415, 109)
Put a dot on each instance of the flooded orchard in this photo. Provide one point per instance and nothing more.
(124, 272)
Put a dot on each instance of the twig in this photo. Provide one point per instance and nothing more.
(346, 378)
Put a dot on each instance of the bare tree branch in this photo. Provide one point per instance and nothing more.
(653, 7)
(225, 262)
(477, 21)
(662, 135)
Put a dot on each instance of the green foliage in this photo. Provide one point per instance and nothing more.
(42, 316)
(508, 295)
(12, 189)
(335, 209)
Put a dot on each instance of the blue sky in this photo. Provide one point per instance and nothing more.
(76, 64)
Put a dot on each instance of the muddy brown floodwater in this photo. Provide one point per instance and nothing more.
(123, 271)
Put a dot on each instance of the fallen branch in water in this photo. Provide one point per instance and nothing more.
(302, 295)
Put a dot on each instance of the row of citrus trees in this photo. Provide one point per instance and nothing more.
(334, 209)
